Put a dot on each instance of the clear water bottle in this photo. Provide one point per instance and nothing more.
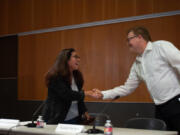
(108, 129)
(40, 122)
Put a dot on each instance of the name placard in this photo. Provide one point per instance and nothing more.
(69, 128)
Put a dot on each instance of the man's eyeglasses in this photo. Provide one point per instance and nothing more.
(128, 39)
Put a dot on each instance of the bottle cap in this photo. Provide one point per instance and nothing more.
(108, 120)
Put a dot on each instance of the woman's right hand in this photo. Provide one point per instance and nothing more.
(95, 93)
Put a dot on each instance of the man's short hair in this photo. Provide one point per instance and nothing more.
(139, 30)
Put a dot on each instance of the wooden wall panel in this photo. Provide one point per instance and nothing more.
(3, 17)
(144, 7)
(105, 57)
(13, 21)
(24, 15)
(26, 76)
(45, 13)
(27, 15)
(93, 10)
(168, 5)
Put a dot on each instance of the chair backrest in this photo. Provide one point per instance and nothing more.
(146, 123)
(99, 118)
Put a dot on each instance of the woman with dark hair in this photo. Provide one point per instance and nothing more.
(65, 101)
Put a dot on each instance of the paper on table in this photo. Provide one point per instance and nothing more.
(8, 123)
(69, 128)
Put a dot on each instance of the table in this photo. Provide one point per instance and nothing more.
(50, 130)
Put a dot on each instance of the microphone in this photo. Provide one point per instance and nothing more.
(97, 131)
(32, 124)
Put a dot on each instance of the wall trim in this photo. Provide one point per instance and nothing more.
(98, 23)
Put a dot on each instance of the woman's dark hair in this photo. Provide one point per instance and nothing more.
(61, 68)
(139, 30)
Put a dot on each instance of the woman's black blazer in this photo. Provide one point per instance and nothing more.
(58, 102)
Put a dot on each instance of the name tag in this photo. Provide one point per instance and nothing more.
(69, 128)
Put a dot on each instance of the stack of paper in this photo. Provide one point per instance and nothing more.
(8, 123)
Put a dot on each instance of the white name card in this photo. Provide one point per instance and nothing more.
(69, 128)
(8, 123)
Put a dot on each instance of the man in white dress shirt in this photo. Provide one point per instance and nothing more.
(158, 65)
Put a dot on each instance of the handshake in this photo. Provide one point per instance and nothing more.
(94, 93)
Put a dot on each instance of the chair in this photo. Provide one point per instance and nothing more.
(146, 123)
(99, 119)
(96, 119)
